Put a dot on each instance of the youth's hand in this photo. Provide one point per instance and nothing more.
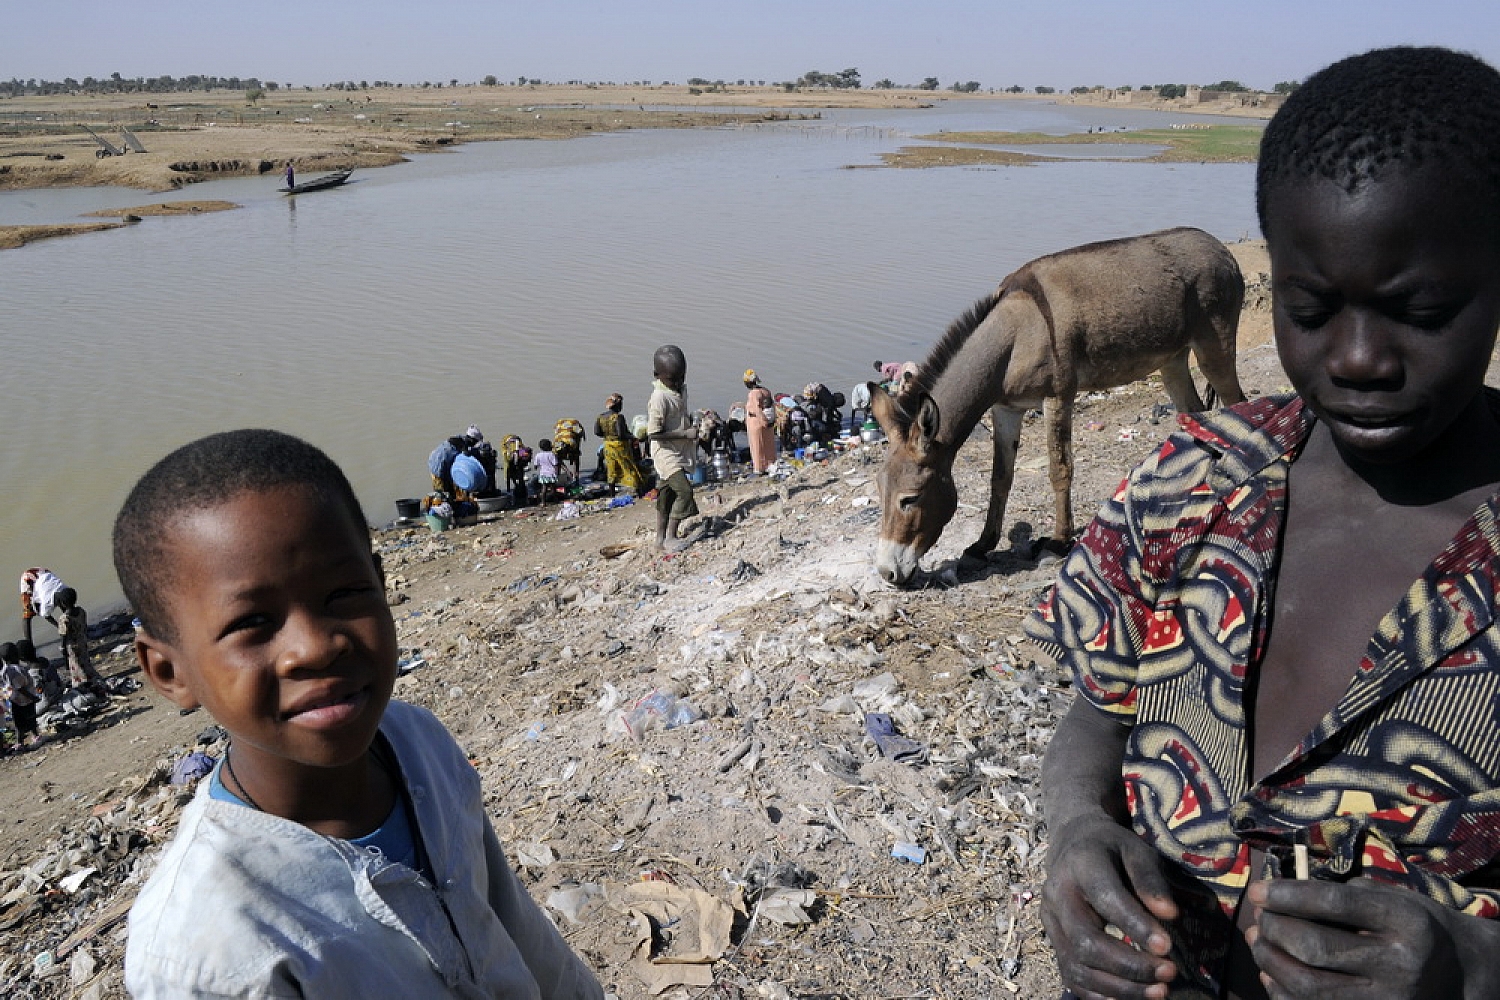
(1333, 941)
(1099, 873)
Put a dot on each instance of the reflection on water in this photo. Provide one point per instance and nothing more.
(511, 284)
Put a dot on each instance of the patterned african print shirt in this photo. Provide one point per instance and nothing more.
(1161, 613)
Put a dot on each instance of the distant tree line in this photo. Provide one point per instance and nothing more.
(846, 79)
(116, 84)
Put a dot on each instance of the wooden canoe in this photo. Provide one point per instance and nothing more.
(319, 183)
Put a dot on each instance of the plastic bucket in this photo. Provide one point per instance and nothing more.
(408, 507)
(698, 476)
(437, 523)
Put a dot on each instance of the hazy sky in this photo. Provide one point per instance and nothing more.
(1060, 43)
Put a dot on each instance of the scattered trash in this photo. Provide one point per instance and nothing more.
(531, 855)
(679, 933)
(658, 710)
(880, 728)
(71, 883)
(787, 907)
(915, 853)
(192, 767)
(575, 901)
(617, 549)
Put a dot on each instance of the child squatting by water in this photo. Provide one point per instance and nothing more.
(1283, 626)
(340, 848)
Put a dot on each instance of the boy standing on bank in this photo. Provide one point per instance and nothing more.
(1283, 626)
(341, 848)
(674, 446)
(73, 635)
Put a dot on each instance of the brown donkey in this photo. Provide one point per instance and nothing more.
(1092, 317)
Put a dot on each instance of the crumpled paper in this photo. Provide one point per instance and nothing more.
(680, 933)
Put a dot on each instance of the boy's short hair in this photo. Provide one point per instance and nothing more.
(206, 473)
(9, 653)
(66, 597)
(669, 362)
(26, 649)
(1385, 110)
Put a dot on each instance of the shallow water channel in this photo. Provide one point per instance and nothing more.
(510, 284)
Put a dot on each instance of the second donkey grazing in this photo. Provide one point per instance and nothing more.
(1093, 317)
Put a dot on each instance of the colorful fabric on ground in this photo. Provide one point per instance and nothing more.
(1161, 612)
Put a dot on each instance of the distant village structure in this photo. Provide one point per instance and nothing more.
(1196, 96)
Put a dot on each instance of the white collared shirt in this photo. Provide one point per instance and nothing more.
(247, 904)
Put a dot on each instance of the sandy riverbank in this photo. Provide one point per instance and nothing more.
(43, 141)
(193, 137)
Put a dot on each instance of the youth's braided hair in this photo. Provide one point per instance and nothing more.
(1385, 110)
(206, 473)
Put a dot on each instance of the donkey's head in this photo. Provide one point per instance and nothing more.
(917, 494)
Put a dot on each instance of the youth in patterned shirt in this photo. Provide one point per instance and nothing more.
(1283, 626)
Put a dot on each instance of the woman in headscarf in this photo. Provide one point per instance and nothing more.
(619, 463)
(760, 423)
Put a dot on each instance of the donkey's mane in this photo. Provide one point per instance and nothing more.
(947, 348)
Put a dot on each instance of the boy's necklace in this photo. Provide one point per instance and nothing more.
(229, 769)
(250, 800)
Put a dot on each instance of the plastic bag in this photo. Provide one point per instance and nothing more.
(659, 710)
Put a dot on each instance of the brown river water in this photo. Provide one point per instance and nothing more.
(510, 284)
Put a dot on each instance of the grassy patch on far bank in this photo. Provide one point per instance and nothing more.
(1209, 144)
(961, 156)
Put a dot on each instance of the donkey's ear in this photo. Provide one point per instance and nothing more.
(887, 412)
(929, 422)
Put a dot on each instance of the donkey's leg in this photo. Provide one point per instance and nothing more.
(1006, 437)
(1215, 354)
(1179, 383)
(1058, 412)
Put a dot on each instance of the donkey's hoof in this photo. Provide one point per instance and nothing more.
(1047, 551)
(972, 561)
